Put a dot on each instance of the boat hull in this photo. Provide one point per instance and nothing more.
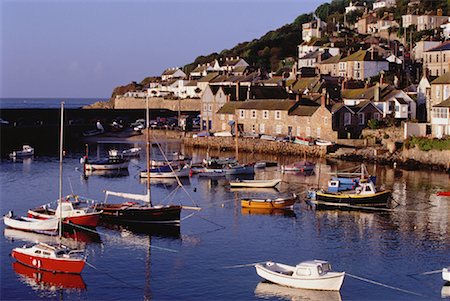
(255, 183)
(140, 215)
(87, 220)
(165, 175)
(106, 166)
(446, 274)
(241, 170)
(267, 204)
(59, 265)
(31, 224)
(332, 282)
(351, 201)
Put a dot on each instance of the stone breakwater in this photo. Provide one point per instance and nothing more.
(256, 146)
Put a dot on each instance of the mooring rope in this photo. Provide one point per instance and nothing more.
(426, 273)
(242, 265)
(115, 278)
(384, 285)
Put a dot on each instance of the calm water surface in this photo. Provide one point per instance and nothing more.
(195, 261)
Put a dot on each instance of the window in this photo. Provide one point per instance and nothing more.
(308, 131)
(210, 107)
(253, 128)
(318, 132)
(266, 114)
(254, 114)
(347, 118)
(437, 58)
(224, 126)
(376, 116)
(277, 115)
(438, 92)
(397, 108)
(222, 117)
(361, 118)
(241, 114)
(325, 120)
(230, 117)
(404, 109)
(261, 128)
(278, 128)
(298, 131)
(205, 107)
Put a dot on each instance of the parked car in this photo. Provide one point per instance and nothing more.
(201, 134)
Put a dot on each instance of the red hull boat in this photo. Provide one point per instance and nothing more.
(59, 259)
(443, 193)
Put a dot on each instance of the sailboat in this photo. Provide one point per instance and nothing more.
(140, 214)
(55, 258)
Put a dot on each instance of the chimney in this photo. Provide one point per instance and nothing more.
(376, 93)
(238, 86)
(297, 97)
(381, 78)
(323, 98)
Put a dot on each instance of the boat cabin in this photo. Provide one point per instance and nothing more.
(365, 187)
(313, 268)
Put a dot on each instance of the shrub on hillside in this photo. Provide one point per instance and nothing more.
(426, 144)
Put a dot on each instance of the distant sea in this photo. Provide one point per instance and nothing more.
(46, 103)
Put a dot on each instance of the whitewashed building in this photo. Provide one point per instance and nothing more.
(440, 119)
(313, 29)
(383, 4)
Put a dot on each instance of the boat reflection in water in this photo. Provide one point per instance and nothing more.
(71, 237)
(166, 182)
(48, 281)
(268, 290)
(169, 231)
(268, 211)
(445, 291)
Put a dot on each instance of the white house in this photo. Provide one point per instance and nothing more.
(408, 20)
(393, 59)
(423, 95)
(440, 119)
(361, 65)
(383, 4)
(446, 29)
(396, 102)
(430, 22)
(354, 6)
(421, 47)
(172, 73)
(230, 63)
(313, 29)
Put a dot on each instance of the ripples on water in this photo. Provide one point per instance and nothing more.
(188, 263)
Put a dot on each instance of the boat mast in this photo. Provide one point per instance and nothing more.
(147, 149)
(60, 168)
(236, 134)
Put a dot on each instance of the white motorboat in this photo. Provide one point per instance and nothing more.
(31, 224)
(167, 172)
(113, 162)
(255, 183)
(314, 274)
(323, 142)
(446, 274)
(132, 152)
(27, 151)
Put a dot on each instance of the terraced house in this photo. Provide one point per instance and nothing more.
(361, 65)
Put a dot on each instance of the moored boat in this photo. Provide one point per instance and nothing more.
(31, 224)
(240, 169)
(166, 172)
(114, 161)
(27, 151)
(72, 212)
(446, 274)
(301, 166)
(365, 195)
(132, 152)
(303, 141)
(255, 183)
(443, 193)
(314, 275)
(54, 258)
(284, 202)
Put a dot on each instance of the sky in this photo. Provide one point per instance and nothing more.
(86, 48)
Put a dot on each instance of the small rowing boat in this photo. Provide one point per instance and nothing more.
(254, 183)
(269, 203)
(27, 151)
(446, 274)
(443, 193)
(301, 166)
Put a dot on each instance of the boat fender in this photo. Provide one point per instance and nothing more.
(269, 263)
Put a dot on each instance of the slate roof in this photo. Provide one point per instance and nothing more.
(442, 47)
(199, 69)
(359, 56)
(230, 107)
(443, 79)
(401, 100)
(220, 79)
(332, 60)
(170, 71)
(365, 93)
(445, 104)
(191, 83)
(240, 68)
(208, 77)
(303, 110)
(268, 104)
(309, 83)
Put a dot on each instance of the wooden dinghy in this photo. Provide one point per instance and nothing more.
(254, 183)
(269, 203)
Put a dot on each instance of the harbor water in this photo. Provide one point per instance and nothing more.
(208, 257)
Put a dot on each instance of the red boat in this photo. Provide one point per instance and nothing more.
(48, 280)
(443, 193)
(58, 259)
(72, 212)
